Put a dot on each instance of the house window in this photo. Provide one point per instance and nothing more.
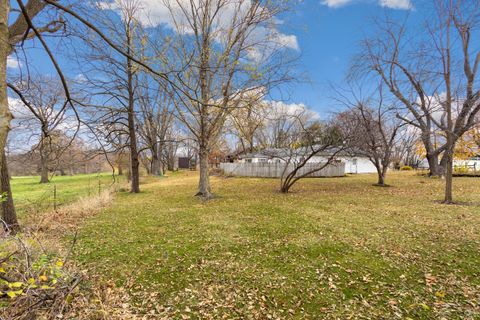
(354, 162)
(262, 160)
(248, 160)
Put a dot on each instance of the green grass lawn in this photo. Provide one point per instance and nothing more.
(333, 249)
(31, 196)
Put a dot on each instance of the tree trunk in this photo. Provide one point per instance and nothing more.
(442, 167)
(160, 153)
(171, 158)
(289, 179)
(436, 170)
(204, 189)
(285, 187)
(251, 144)
(134, 161)
(5, 115)
(43, 163)
(382, 172)
(448, 156)
(9, 215)
(120, 170)
(156, 165)
(147, 165)
(44, 172)
(381, 178)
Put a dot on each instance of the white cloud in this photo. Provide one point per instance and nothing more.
(16, 106)
(288, 41)
(13, 63)
(336, 3)
(392, 4)
(80, 78)
(396, 4)
(153, 13)
(280, 108)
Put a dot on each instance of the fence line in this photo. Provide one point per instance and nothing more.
(466, 166)
(275, 170)
(55, 196)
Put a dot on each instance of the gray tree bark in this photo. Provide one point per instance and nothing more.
(43, 162)
(171, 159)
(448, 156)
(134, 161)
(156, 165)
(204, 188)
(436, 169)
(9, 215)
(382, 173)
(8, 209)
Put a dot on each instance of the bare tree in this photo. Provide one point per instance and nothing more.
(113, 81)
(314, 147)
(283, 122)
(43, 116)
(372, 128)
(230, 47)
(11, 35)
(295, 138)
(434, 76)
(156, 119)
(406, 151)
(248, 119)
(14, 34)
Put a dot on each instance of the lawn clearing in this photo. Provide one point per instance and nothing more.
(29, 195)
(334, 248)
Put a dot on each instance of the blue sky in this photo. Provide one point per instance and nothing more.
(328, 33)
(328, 38)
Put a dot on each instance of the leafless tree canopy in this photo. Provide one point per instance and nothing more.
(231, 51)
(371, 125)
(433, 74)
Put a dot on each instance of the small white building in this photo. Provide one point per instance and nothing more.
(354, 162)
(357, 164)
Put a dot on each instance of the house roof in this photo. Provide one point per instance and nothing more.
(267, 153)
(285, 153)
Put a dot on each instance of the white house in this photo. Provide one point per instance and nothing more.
(354, 162)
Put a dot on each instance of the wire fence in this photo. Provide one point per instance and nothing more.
(56, 194)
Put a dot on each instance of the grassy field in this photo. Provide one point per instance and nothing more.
(333, 249)
(29, 195)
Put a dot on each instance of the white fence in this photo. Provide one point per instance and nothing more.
(275, 170)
